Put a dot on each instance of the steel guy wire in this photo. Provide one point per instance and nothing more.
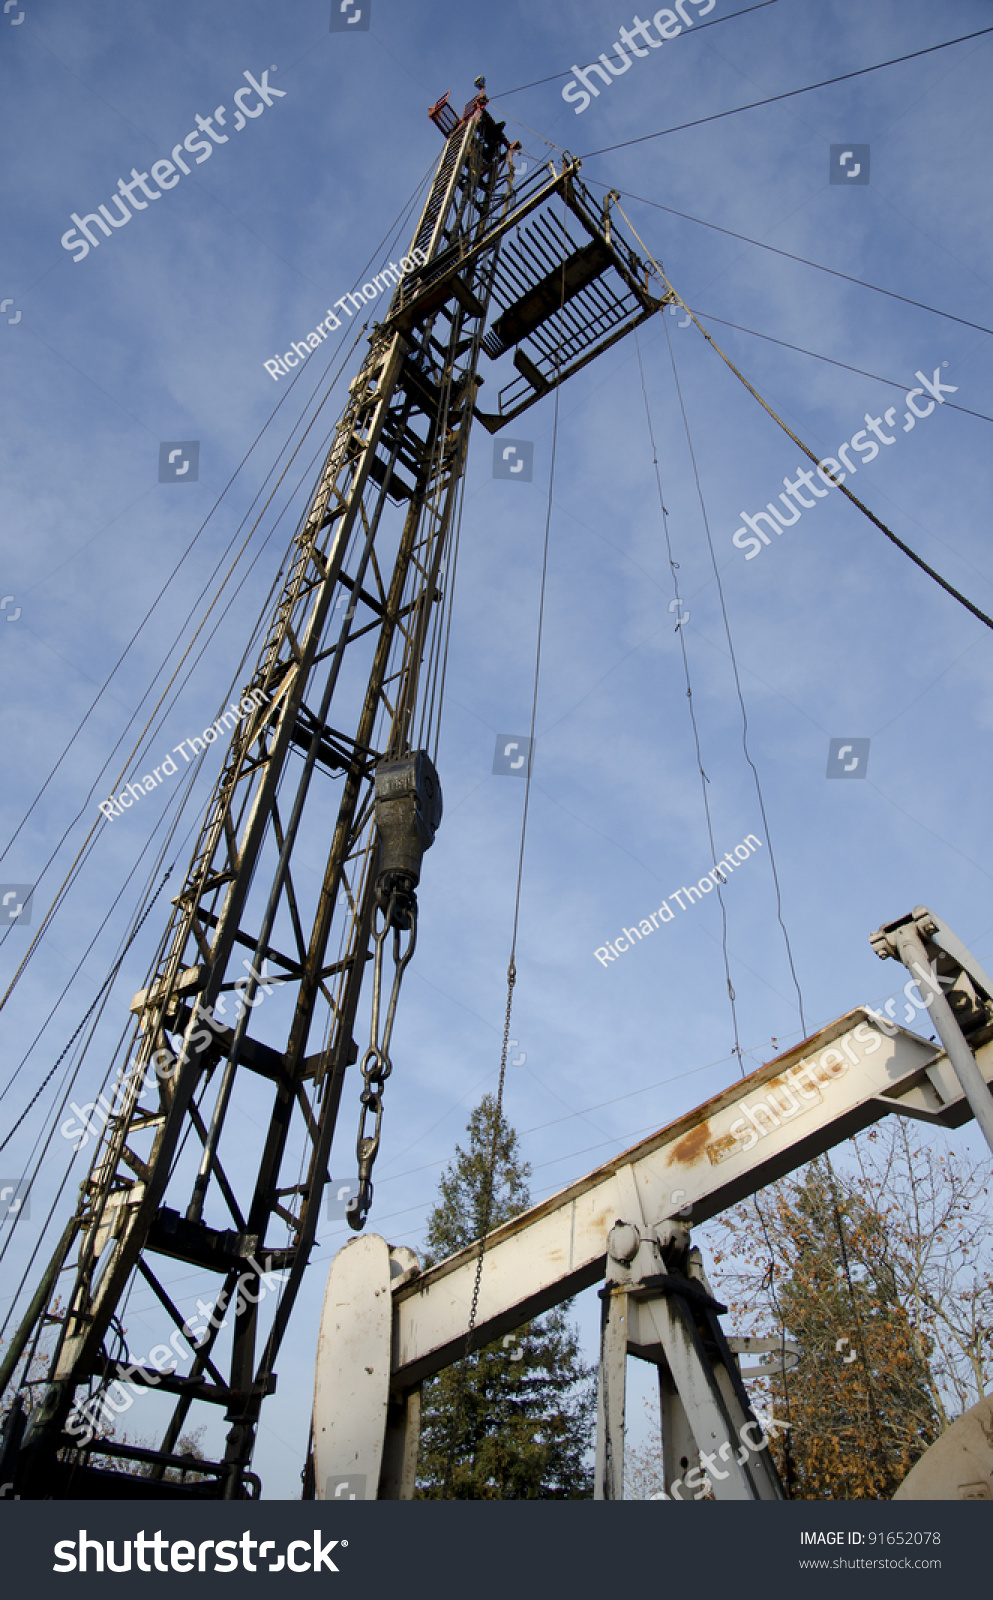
(841, 487)
(788, 255)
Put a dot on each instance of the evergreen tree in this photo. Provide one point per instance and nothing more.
(524, 1406)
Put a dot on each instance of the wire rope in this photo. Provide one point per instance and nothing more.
(788, 1455)
(698, 28)
(60, 893)
(787, 94)
(788, 255)
(843, 489)
(845, 366)
(394, 228)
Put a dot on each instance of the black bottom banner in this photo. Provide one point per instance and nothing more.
(374, 1550)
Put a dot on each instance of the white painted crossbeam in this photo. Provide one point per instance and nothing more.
(843, 1078)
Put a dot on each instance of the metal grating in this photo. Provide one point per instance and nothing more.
(565, 288)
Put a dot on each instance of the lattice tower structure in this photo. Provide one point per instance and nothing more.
(339, 693)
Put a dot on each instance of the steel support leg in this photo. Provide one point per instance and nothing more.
(679, 1448)
(398, 1479)
(609, 1482)
(717, 1413)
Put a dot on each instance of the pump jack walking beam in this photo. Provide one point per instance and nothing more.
(847, 1076)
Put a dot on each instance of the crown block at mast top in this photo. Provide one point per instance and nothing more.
(445, 117)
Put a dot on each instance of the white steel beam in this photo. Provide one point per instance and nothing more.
(835, 1083)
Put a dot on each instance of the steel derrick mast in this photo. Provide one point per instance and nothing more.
(246, 920)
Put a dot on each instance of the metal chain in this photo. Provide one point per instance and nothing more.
(491, 1163)
(457, 1409)
(401, 915)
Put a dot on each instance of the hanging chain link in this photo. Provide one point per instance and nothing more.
(401, 916)
(463, 1368)
(491, 1163)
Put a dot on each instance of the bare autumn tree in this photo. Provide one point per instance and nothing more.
(860, 1402)
(882, 1270)
(936, 1211)
(881, 1273)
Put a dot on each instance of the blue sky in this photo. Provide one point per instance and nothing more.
(160, 334)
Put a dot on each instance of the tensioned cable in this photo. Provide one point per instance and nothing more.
(789, 953)
(738, 688)
(788, 94)
(264, 619)
(152, 608)
(71, 1073)
(134, 755)
(862, 372)
(704, 780)
(108, 980)
(191, 775)
(397, 224)
(101, 1002)
(698, 27)
(120, 1044)
(453, 570)
(860, 1331)
(142, 910)
(191, 780)
(681, 635)
(805, 261)
(846, 366)
(918, 560)
(142, 901)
